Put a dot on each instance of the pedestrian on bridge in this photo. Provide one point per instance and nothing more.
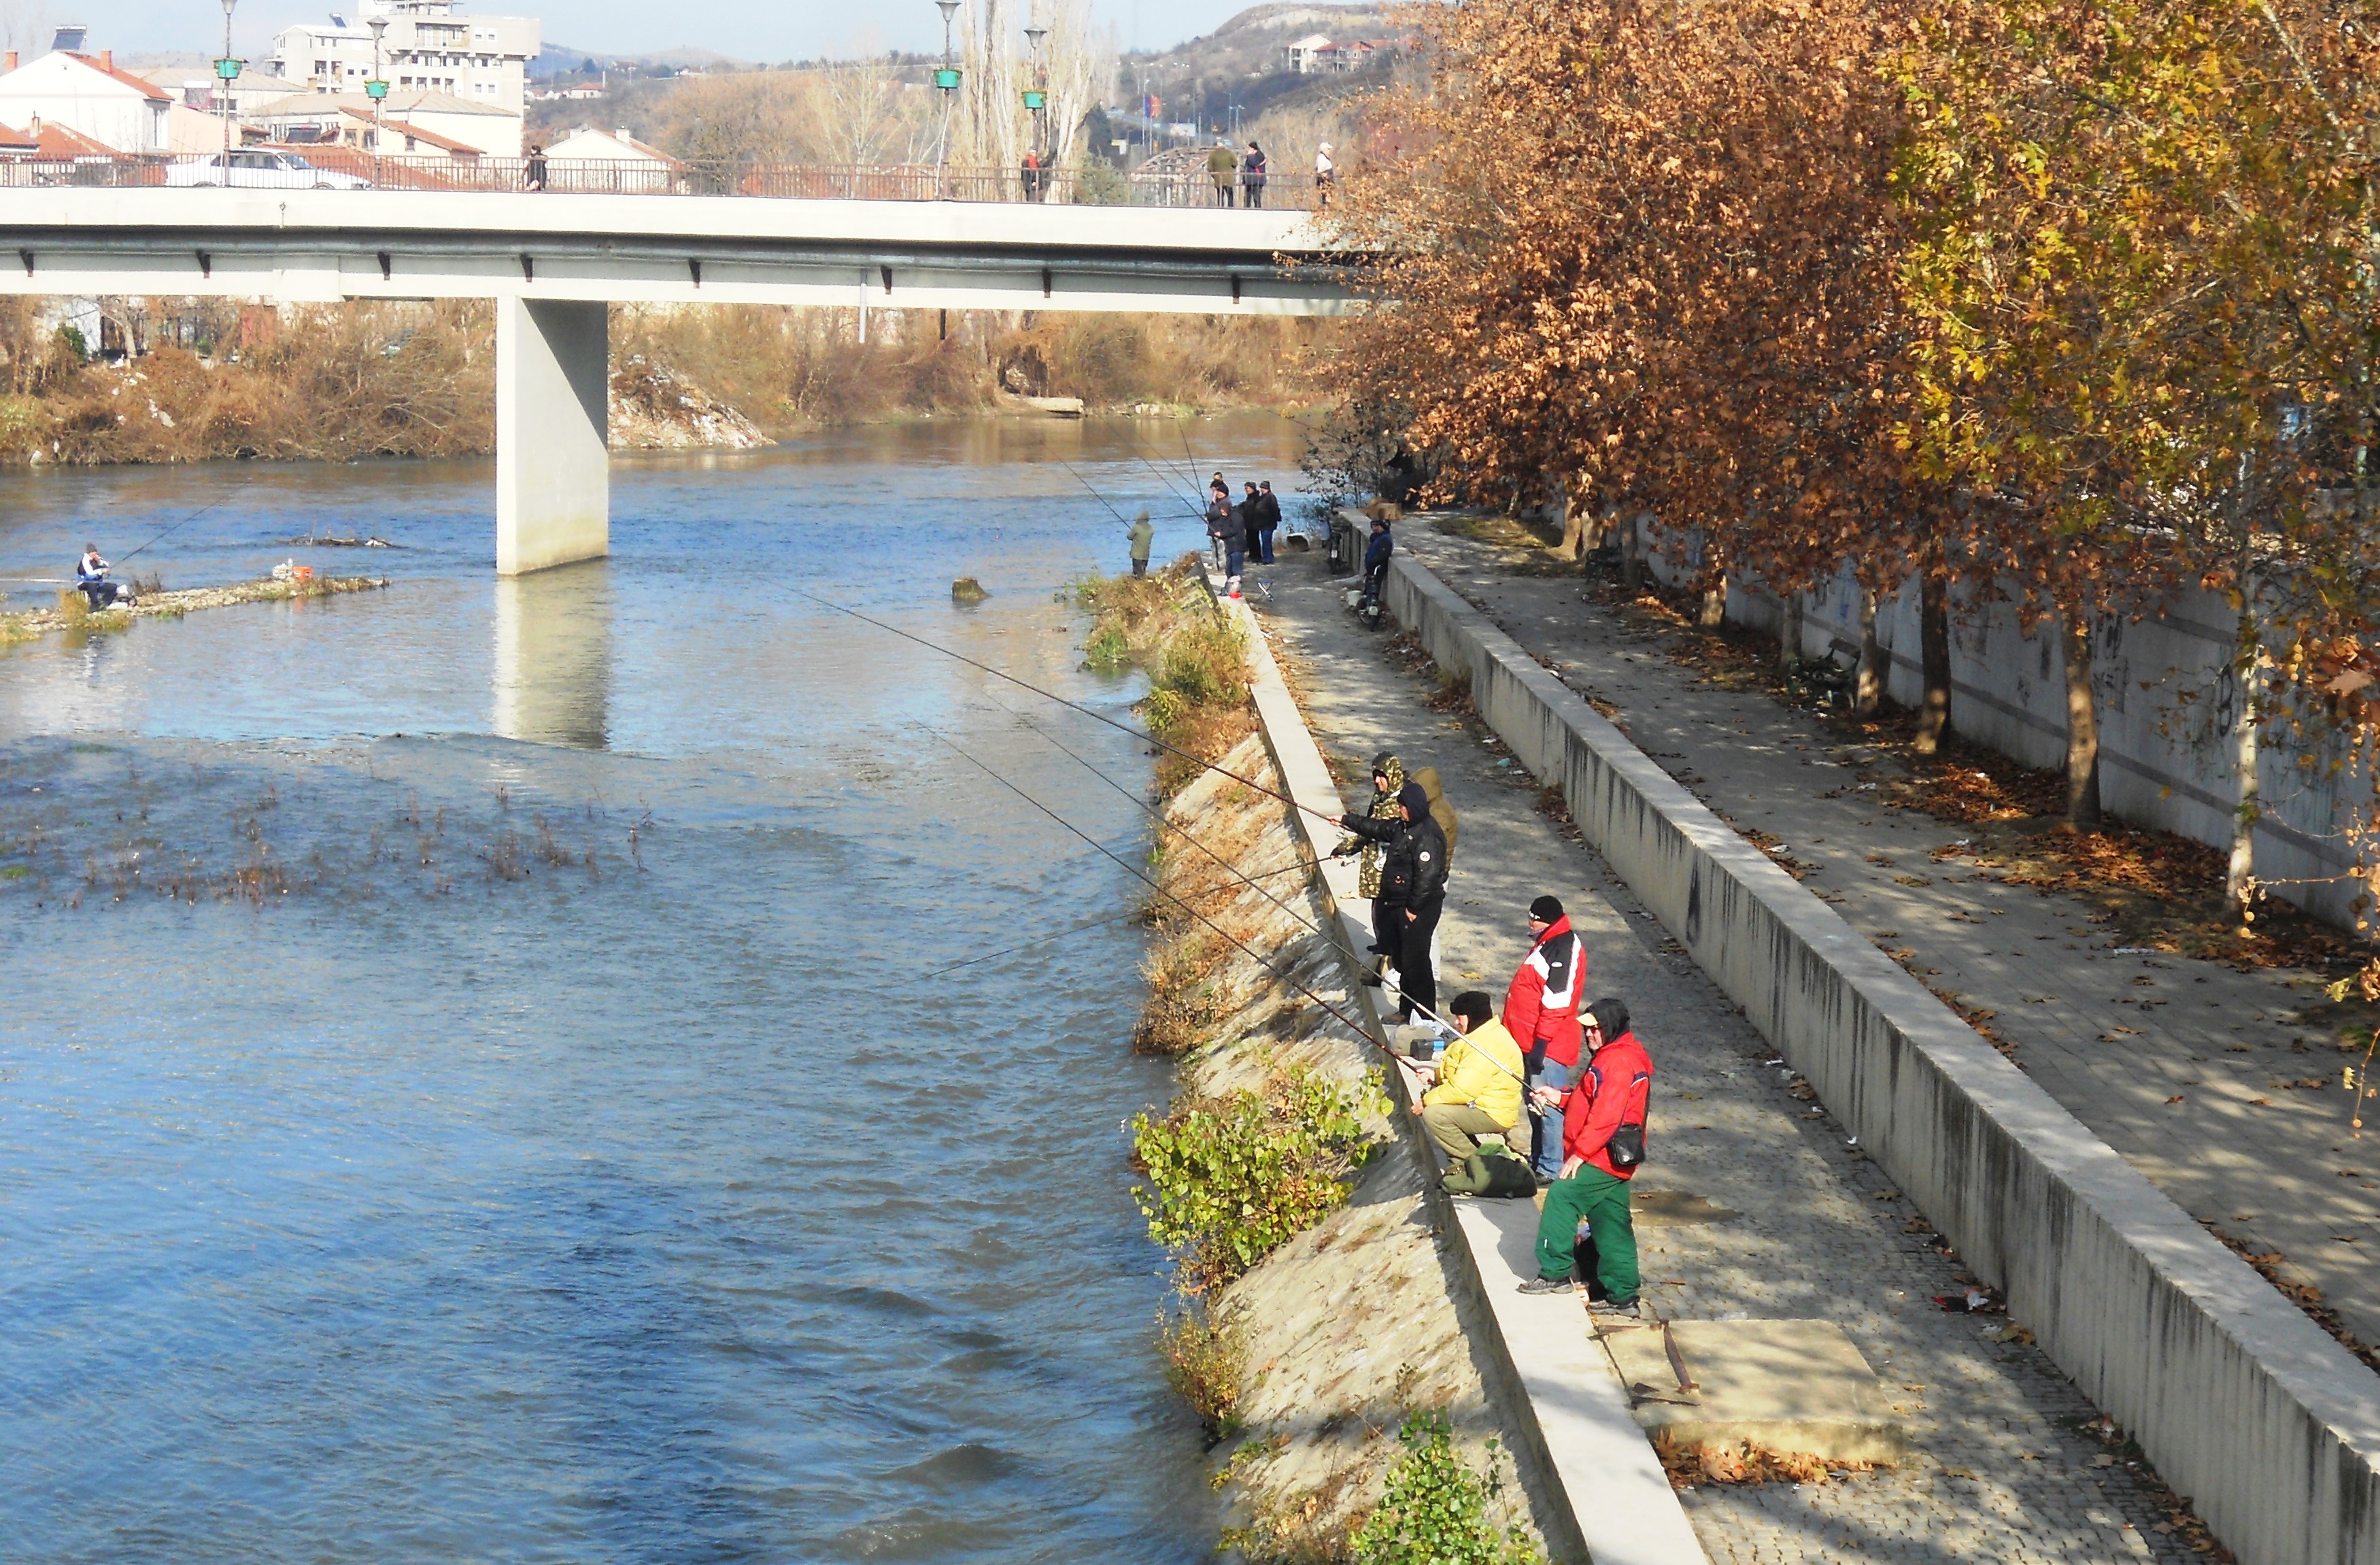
(1603, 1139)
(1325, 177)
(1223, 169)
(533, 175)
(1252, 175)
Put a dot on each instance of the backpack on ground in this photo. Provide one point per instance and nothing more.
(1494, 1173)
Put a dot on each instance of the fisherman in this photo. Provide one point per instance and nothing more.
(1478, 1097)
(1413, 882)
(1252, 512)
(1604, 1142)
(91, 580)
(1141, 536)
(1541, 1012)
(1387, 776)
(1234, 538)
(1269, 521)
(1219, 512)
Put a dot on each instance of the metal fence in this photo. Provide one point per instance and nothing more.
(328, 167)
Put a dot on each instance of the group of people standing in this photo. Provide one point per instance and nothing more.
(1233, 173)
(1240, 531)
(1577, 1071)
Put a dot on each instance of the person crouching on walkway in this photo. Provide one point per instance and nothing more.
(1413, 884)
(1478, 1092)
(1604, 1139)
(1541, 1012)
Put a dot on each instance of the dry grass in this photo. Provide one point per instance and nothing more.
(1741, 1462)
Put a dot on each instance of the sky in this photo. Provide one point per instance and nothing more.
(786, 29)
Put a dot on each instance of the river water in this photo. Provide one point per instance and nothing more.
(477, 1080)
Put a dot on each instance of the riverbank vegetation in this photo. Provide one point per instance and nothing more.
(177, 380)
(2032, 301)
(1292, 1223)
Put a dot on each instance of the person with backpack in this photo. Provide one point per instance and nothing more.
(1541, 1012)
(1252, 175)
(1478, 1097)
(1603, 1140)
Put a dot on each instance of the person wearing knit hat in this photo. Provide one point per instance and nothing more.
(1541, 1012)
(1413, 893)
(1388, 781)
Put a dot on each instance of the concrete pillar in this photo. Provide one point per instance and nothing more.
(554, 459)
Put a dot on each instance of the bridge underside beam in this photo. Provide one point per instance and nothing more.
(553, 462)
(647, 274)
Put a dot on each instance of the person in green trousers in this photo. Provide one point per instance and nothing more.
(1603, 1144)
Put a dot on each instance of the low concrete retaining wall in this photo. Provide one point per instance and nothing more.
(1610, 1501)
(2240, 1400)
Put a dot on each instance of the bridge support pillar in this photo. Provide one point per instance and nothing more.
(554, 459)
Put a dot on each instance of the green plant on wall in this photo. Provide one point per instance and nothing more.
(1232, 1179)
(1435, 1510)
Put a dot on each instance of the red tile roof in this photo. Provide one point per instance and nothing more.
(148, 89)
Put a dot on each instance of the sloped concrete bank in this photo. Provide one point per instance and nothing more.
(1361, 1318)
(2239, 1400)
(1595, 1486)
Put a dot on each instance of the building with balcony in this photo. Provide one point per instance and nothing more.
(429, 47)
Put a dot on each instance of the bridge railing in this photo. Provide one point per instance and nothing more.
(329, 166)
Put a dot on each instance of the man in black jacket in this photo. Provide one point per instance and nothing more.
(1267, 521)
(1413, 885)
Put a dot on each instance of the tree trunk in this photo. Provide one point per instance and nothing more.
(1789, 633)
(1714, 609)
(1867, 689)
(1575, 511)
(1631, 553)
(2082, 727)
(1933, 661)
(2239, 876)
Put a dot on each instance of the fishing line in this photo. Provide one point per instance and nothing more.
(1076, 930)
(1139, 734)
(1137, 874)
(1095, 493)
(194, 515)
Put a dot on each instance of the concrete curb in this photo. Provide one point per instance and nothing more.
(1613, 1503)
(2240, 1399)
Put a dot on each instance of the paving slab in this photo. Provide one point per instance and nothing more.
(2196, 1072)
(1762, 1211)
(1794, 1386)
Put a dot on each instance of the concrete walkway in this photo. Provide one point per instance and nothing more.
(1797, 1225)
(2185, 1068)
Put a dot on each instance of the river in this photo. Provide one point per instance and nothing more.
(483, 1066)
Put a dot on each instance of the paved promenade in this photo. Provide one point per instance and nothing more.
(2002, 1467)
(2194, 1072)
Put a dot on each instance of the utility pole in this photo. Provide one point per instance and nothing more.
(226, 72)
(946, 81)
(377, 91)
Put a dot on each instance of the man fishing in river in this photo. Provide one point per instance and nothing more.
(91, 580)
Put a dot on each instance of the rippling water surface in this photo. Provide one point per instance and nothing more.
(478, 1075)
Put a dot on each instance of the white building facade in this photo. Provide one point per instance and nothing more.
(429, 47)
(90, 96)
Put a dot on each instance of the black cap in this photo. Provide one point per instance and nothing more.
(1473, 1006)
(1544, 910)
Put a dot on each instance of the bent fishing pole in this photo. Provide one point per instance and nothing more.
(1145, 878)
(1140, 734)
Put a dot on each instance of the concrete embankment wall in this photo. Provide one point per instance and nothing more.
(2170, 703)
(2240, 1400)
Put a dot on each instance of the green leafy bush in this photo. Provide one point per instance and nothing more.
(1232, 1179)
(1434, 1510)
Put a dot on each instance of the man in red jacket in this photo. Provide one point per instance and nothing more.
(1608, 1104)
(1541, 1012)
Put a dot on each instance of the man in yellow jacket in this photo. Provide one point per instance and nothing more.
(1478, 1092)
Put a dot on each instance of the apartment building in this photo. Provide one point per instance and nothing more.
(429, 47)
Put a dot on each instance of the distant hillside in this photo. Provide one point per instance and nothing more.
(1240, 72)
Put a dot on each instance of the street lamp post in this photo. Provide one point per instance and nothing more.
(226, 72)
(1037, 99)
(946, 81)
(377, 91)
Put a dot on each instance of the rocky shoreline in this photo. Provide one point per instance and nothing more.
(69, 615)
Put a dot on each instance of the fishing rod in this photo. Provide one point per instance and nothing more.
(1128, 868)
(194, 515)
(1168, 475)
(1140, 734)
(1094, 493)
(1076, 930)
(1229, 868)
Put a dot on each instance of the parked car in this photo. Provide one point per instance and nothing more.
(262, 171)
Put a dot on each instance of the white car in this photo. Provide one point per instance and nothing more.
(262, 171)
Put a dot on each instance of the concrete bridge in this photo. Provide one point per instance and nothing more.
(552, 262)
